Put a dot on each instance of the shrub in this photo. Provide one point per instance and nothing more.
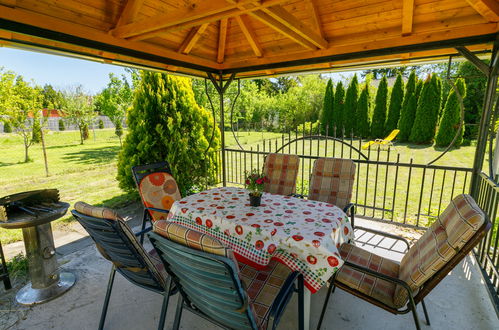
(451, 118)
(379, 114)
(396, 100)
(62, 127)
(363, 124)
(327, 109)
(425, 122)
(36, 133)
(350, 109)
(408, 110)
(7, 128)
(308, 127)
(338, 106)
(100, 124)
(165, 123)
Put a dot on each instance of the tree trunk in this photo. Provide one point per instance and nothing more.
(26, 157)
(81, 134)
(44, 152)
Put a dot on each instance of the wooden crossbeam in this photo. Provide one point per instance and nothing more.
(130, 12)
(489, 9)
(192, 38)
(316, 18)
(222, 38)
(407, 16)
(250, 35)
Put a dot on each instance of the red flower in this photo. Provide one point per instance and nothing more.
(209, 224)
(239, 230)
(247, 181)
(259, 245)
(316, 243)
(259, 181)
(271, 248)
(297, 237)
(333, 262)
(312, 260)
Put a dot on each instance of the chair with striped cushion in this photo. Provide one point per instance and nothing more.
(117, 243)
(213, 285)
(332, 181)
(158, 190)
(281, 170)
(398, 288)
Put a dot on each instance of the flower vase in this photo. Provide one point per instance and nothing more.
(255, 200)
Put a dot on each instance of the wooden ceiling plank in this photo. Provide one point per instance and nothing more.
(316, 18)
(250, 35)
(192, 38)
(407, 16)
(222, 38)
(489, 9)
(130, 12)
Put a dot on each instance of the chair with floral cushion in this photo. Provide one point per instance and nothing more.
(213, 285)
(398, 288)
(281, 170)
(332, 181)
(158, 190)
(117, 243)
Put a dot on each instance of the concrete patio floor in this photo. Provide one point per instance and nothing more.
(460, 301)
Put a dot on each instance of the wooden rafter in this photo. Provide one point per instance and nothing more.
(130, 12)
(250, 35)
(315, 18)
(489, 9)
(191, 39)
(222, 38)
(407, 16)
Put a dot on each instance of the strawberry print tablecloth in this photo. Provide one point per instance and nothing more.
(304, 235)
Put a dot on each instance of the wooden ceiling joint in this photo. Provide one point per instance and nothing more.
(222, 39)
(489, 9)
(249, 34)
(407, 17)
(130, 12)
(192, 38)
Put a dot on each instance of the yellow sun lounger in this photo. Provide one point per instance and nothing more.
(386, 141)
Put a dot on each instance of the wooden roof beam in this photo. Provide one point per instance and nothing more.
(250, 35)
(489, 9)
(222, 38)
(130, 12)
(407, 16)
(316, 18)
(191, 39)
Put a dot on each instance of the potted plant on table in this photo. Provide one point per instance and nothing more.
(255, 181)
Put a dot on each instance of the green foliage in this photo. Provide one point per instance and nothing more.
(350, 109)
(165, 123)
(338, 109)
(425, 122)
(308, 127)
(78, 108)
(408, 110)
(118, 130)
(396, 99)
(7, 128)
(363, 111)
(419, 88)
(62, 126)
(18, 266)
(36, 134)
(100, 124)
(379, 114)
(51, 99)
(451, 118)
(327, 109)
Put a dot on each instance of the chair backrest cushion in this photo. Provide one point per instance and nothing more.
(281, 170)
(439, 244)
(332, 181)
(159, 190)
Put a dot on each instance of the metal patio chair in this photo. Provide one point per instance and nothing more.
(158, 191)
(4, 272)
(117, 243)
(213, 285)
(281, 170)
(398, 288)
(332, 181)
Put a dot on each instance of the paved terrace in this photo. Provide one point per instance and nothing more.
(460, 301)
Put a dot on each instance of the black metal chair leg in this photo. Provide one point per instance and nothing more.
(106, 299)
(178, 313)
(5, 273)
(301, 304)
(144, 220)
(414, 313)
(164, 306)
(329, 292)
(425, 313)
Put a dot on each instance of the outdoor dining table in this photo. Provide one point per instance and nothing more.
(305, 235)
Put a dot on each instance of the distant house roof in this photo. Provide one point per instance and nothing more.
(52, 113)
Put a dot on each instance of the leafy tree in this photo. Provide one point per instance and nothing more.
(78, 108)
(451, 118)
(62, 127)
(363, 112)
(51, 98)
(338, 108)
(379, 114)
(7, 128)
(396, 99)
(419, 88)
(327, 109)
(425, 122)
(349, 111)
(165, 123)
(408, 110)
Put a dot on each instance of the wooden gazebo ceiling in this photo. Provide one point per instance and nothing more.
(250, 37)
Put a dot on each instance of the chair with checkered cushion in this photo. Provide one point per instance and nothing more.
(332, 181)
(281, 170)
(213, 285)
(398, 288)
(158, 190)
(117, 243)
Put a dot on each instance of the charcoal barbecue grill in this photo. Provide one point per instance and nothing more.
(32, 211)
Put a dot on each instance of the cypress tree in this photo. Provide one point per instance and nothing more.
(350, 109)
(338, 106)
(419, 88)
(7, 128)
(327, 110)
(363, 122)
(396, 100)
(451, 118)
(425, 122)
(379, 114)
(408, 110)
(62, 127)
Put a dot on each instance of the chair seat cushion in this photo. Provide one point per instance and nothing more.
(263, 286)
(376, 288)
